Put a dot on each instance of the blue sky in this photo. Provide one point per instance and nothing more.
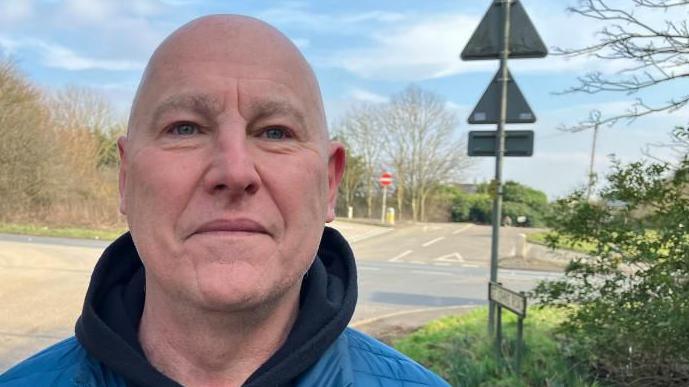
(361, 51)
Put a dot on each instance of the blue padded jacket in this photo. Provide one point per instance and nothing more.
(354, 359)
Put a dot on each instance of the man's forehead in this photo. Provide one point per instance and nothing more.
(212, 105)
(233, 47)
(242, 41)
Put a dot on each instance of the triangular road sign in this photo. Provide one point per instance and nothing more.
(487, 111)
(524, 39)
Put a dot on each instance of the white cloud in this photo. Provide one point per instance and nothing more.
(367, 96)
(64, 58)
(377, 16)
(179, 3)
(296, 15)
(412, 52)
(427, 46)
(57, 56)
(9, 47)
(93, 11)
(14, 11)
(462, 110)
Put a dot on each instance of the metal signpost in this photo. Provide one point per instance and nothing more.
(385, 180)
(504, 32)
(515, 302)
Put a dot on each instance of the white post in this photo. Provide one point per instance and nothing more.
(520, 249)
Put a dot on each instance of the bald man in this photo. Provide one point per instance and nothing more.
(227, 276)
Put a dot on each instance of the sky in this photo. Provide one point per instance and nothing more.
(362, 51)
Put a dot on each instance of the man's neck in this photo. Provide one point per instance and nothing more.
(202, 348)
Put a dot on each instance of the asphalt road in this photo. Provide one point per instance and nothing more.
(43, 280)
(433, 265)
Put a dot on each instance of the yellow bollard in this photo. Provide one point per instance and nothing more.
(390, 216)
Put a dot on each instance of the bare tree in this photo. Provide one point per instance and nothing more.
(422, 147)
(86, 130)
(25, 149)
(361, 129)
(653, 53)
(678, 146)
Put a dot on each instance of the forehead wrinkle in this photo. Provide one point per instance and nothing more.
(206, 105)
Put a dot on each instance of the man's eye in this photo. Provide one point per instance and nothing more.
(276, 133)
(184, 129)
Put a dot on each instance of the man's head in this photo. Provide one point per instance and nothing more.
(227, 172)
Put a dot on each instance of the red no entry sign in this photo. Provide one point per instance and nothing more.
(385, 179)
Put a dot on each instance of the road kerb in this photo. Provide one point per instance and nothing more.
(379, 319)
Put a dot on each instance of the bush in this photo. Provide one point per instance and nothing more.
(26, 148)
(633, 292)
(519, 200)
(458, 349)
(476, 208)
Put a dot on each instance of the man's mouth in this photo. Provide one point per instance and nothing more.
(236, 225)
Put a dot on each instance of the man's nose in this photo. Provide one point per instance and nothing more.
(233, 168)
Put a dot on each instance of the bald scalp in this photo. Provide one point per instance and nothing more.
(236, 39)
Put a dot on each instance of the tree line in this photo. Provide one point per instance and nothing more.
(58, 154)
(414, 136)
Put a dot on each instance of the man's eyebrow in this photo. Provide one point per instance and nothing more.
(199, 103)
(265, 109)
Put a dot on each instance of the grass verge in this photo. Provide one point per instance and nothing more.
(539, 238)
(62, 232)
(458, 349)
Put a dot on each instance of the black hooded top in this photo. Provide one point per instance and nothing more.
(108, 325)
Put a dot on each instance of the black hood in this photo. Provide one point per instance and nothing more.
(108, 325)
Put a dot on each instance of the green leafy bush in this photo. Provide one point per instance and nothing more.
(519, 200)
(632, 293)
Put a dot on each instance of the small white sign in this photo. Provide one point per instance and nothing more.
(507, 298)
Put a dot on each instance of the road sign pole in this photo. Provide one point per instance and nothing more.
(385, 195)
(592, 176)
(499, 154)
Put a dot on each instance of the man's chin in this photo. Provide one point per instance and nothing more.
(232, 249)
(238, 290)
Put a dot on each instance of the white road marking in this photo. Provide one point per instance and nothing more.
(469, 265)
(457, 231)
(419, 262)
(400, 256)
(368, 268)
(441, 264)
(452, 257)
(369, 234)
(432, 241)
(430, 272)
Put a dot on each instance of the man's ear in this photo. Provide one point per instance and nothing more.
(336, 167)
(122, 148)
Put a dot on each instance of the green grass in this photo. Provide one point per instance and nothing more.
(458, 349)
(539, 238)
(63, 232)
